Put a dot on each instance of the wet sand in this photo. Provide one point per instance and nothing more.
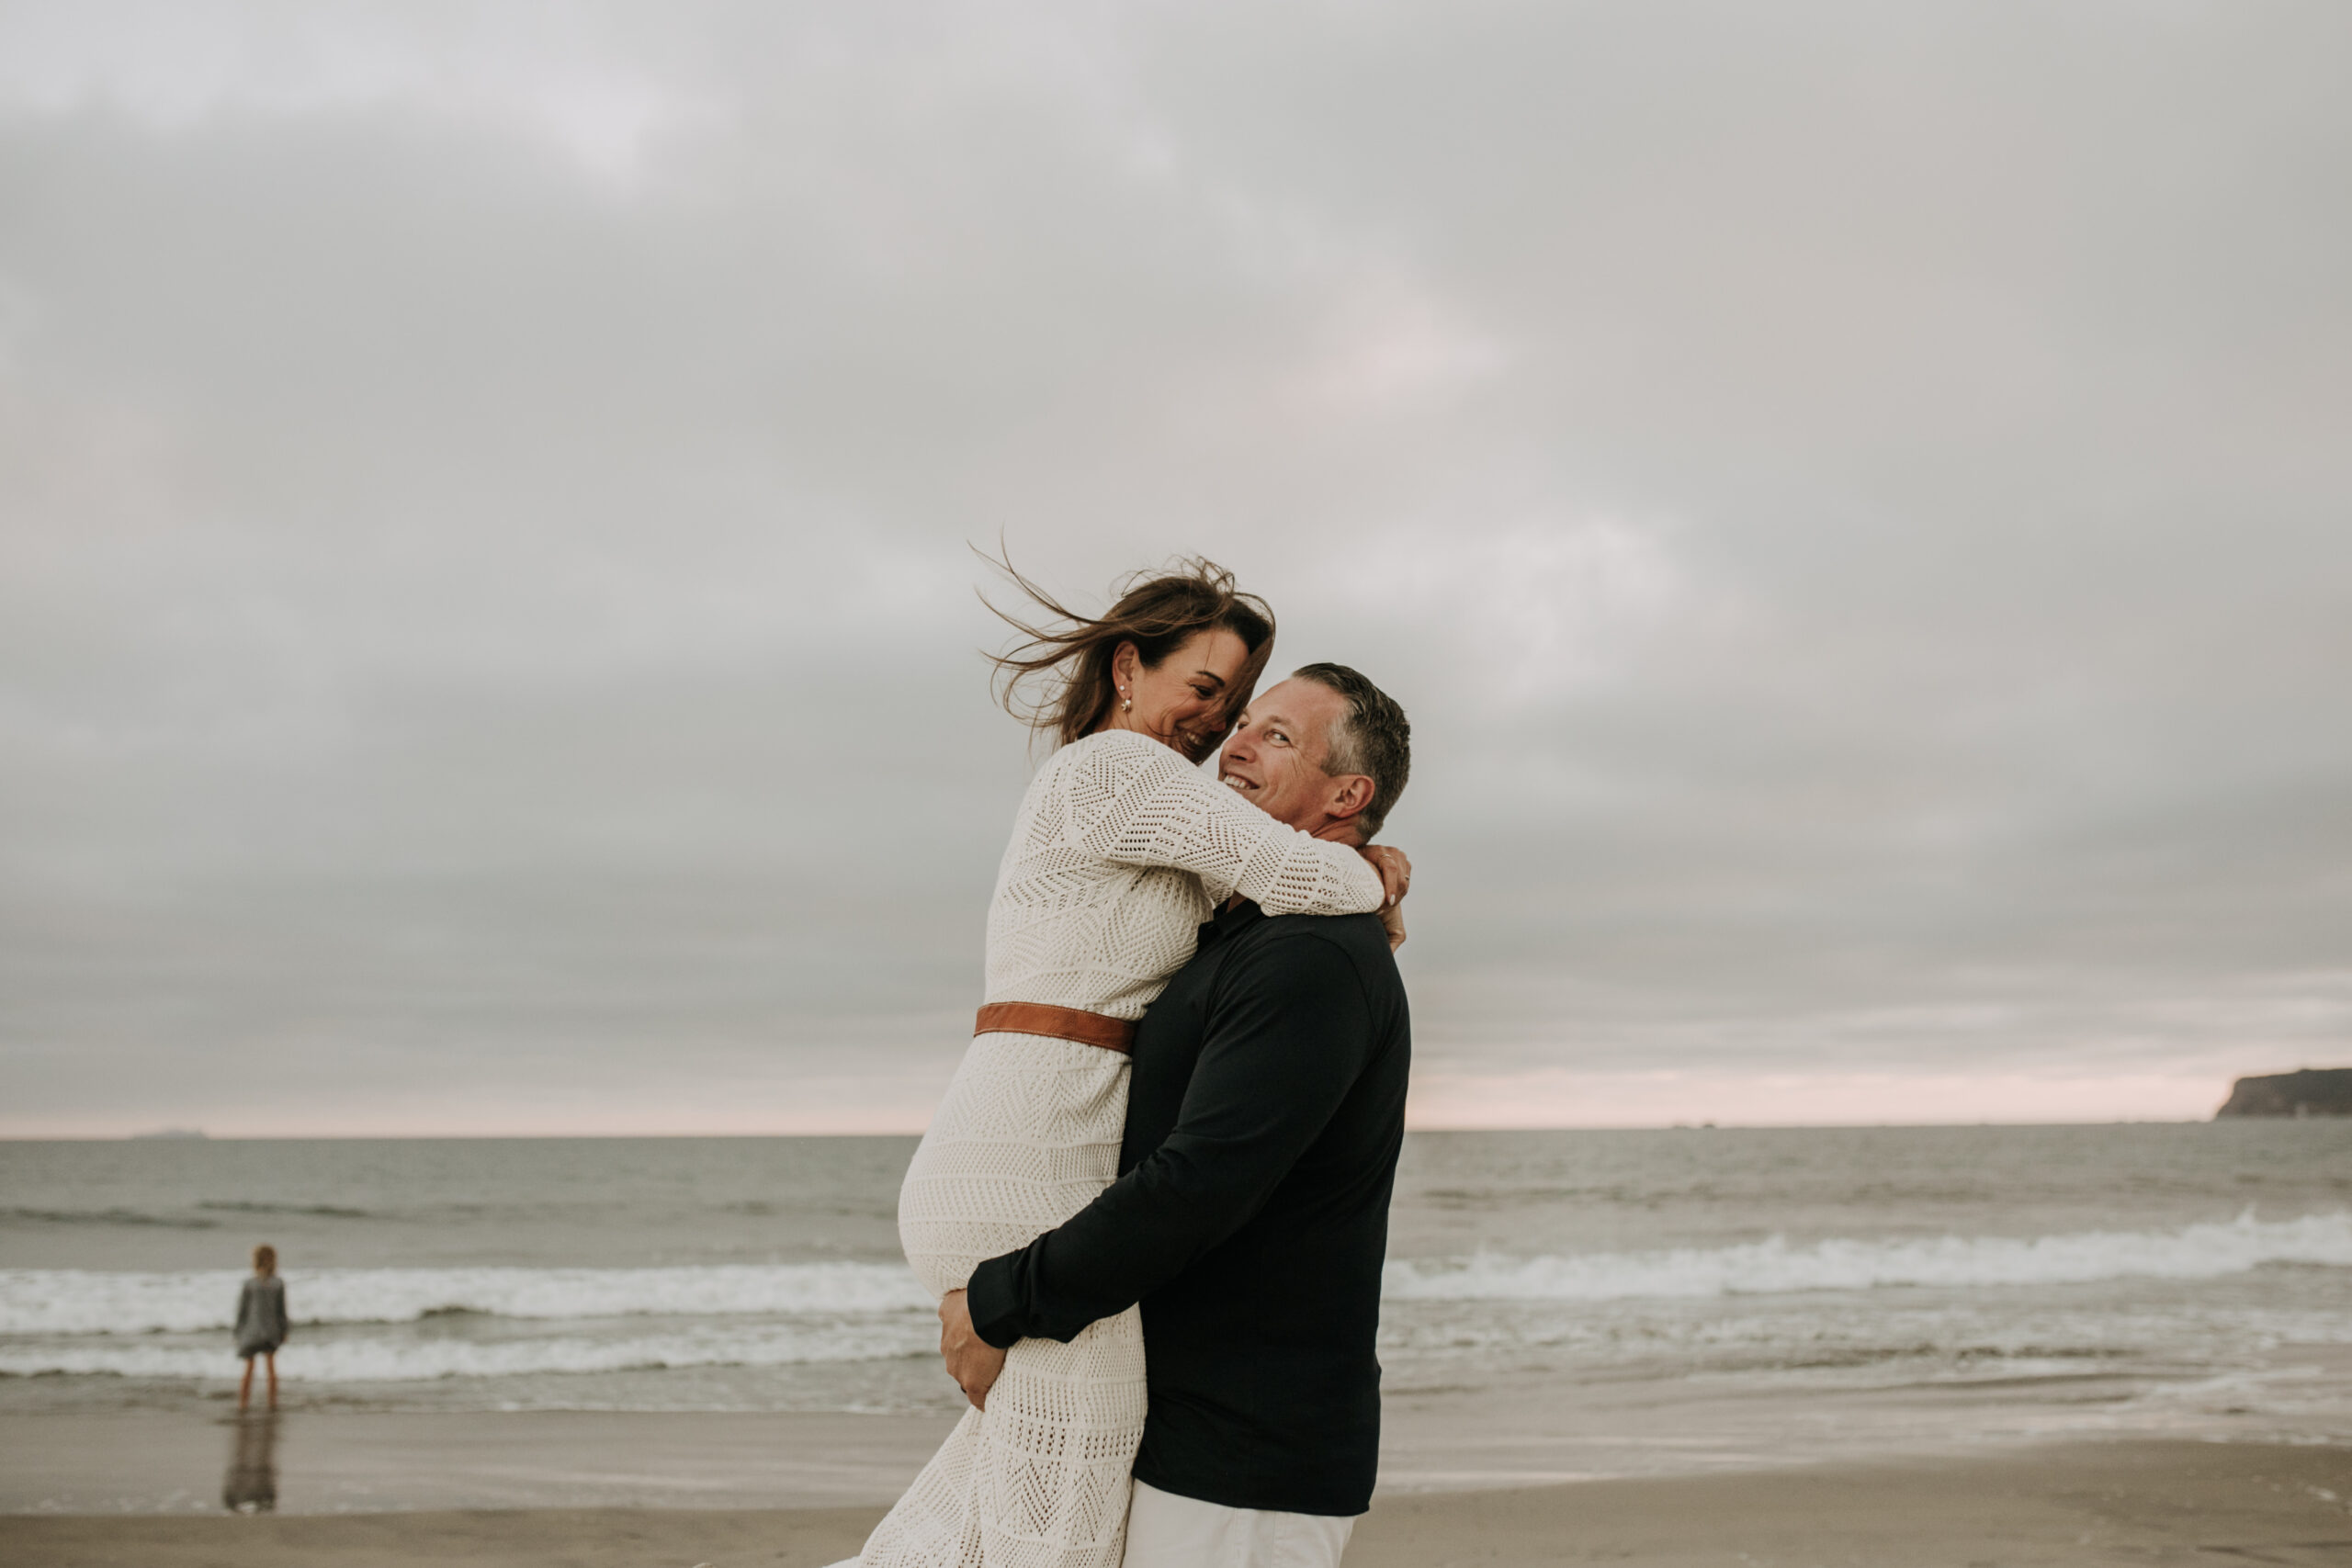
(156, 1453)
(2084, 1502)
(311, 1461)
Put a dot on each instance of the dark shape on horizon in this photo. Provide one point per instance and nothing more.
(2313, 1091)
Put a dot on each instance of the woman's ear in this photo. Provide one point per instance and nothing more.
(1125, 663)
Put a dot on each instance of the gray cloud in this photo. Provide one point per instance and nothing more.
(1854, 500)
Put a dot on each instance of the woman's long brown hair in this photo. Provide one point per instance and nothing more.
(1069, 654)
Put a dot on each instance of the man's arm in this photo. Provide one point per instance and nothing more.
(1288, 1034)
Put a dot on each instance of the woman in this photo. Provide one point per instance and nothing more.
(1121, 850)
(262, 1326)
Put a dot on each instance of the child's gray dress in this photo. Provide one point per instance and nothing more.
(261, 1317)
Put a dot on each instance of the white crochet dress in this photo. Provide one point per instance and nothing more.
(1121, 851)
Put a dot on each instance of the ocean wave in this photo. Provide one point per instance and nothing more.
(89, 1302)
(107, 1217)
(383, 1357)
(1774, 1267)
(93, 1304)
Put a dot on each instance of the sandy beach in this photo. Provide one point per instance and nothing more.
(2138, 1502)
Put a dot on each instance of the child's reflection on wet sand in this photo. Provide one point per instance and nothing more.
(251, 1486)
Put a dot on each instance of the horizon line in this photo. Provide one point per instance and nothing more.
(194, 1135)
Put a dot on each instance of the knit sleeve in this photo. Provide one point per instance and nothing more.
(1135, 802)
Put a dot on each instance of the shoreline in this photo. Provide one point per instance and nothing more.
(2081, 1501)
(325, 1456)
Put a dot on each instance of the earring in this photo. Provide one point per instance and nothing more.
(1126, 702)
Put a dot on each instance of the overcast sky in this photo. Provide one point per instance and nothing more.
(1857, 501)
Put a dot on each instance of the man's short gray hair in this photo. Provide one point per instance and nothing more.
(1371, 738)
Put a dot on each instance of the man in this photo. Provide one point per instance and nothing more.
(1264, 1116)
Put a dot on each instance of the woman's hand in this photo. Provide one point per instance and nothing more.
(1392, 921)
(971, 1360)
(1395, 873)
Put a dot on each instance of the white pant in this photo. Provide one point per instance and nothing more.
(1168, 1531)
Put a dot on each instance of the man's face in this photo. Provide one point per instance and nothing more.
(1274, 757)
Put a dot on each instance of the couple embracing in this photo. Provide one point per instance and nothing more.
(1187, 1091)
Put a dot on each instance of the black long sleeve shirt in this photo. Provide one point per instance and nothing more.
(1250, 1219)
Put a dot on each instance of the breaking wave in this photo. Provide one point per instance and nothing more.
(89, 1302)
(402, 1325)
(392, 1357)
(1775, 1267)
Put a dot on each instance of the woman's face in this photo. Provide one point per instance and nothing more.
(1185, 702)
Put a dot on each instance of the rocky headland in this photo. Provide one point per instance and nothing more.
(2313, 1091)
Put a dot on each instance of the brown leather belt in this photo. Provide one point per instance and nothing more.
(1074, 1024)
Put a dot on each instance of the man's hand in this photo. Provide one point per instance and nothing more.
(971, 1360)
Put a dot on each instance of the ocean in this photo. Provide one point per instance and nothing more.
(1556, 1303)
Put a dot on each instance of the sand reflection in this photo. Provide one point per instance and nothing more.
(251, 1486)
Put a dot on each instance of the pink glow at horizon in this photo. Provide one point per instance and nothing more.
(1442, 1101)
(1558, 1098)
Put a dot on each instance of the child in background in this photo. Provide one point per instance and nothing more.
(261, 1322)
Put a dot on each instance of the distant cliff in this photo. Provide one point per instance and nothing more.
(2314, 1091)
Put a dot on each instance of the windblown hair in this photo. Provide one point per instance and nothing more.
(1374, 740)
(1068, 655)
(265, 1259)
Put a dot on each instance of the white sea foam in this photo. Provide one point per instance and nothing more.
(403, 1356)
(382, 1324)
(70, 1301)
(1774, 1267)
